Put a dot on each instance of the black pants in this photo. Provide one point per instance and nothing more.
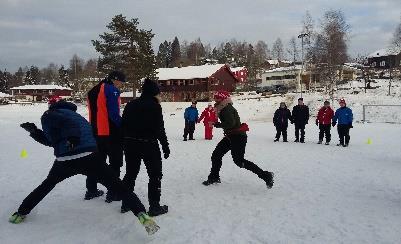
(189, 129)
(324, 130)
(149, 152)
(90, 166)
(237, 144)
(281, 130)
(343, 133)
(107, 147)
(300, 127)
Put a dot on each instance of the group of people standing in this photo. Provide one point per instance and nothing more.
(325, 119)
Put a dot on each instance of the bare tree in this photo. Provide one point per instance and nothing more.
(396, 42)
(293, 50)
(278, 49)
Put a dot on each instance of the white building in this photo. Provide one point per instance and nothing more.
(288, 76)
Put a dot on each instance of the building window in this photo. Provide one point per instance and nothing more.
(382, 63)
(191, 82)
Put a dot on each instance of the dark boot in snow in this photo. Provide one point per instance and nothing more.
(157, 210)
(16, 218)
(125, 209)
(340, 144)
(276, 140)
(268, 178)
(296, 140)
(319, 142)
(111, 197)
(211, 181)
(90, 195)
(345, 145)
(327, 143)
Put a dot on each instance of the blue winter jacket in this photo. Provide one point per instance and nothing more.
(191, 114)
(60, 123)
(344, 116)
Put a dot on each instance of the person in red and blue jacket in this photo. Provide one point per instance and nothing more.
(344, 117)
(104, 116)
(323, 120)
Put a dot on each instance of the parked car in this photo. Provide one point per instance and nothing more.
(265, 89)
(275, 89)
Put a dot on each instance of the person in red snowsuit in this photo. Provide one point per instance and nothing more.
(209, 118)
(323, 120)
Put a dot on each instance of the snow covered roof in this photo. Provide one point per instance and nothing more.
(235, 69)
(41, 87)
(382, 52)
(189, 72)
(289, 68)
(272, 61)
(4, 95)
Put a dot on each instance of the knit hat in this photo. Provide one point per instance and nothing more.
(150, 88)
(53, 100)
(283, 103)
(342, 100)
(116, 75)
(300, 99)
(327, 102)
(221, 95)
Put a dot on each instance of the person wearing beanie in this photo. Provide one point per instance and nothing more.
(76, 153)
(344, 117)
(143, 130)
(280, 121)
(209, 118)
(191, 118)
(323, 120)
(235, 140)
(300, 117)
(104, 116)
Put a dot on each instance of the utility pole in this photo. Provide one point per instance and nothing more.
(302, 36)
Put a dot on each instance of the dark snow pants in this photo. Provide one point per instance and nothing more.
(149, 152)
(107, 147)
(189, 129)
(343, 133)
(324, 130)
(300, 127)
(236, 143)
(90, 166)
(283, 131)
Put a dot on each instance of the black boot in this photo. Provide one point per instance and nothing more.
(125, 209)
(211, 181)
(296, 140)
(90, 195)
(111, 197)
(276, 140)
(157, 210)
(268, 178)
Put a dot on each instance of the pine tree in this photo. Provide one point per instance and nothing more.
(127, 48)
(175, 53)
(63, 77)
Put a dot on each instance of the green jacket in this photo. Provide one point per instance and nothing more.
(230, 120)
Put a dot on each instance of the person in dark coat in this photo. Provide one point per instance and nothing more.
(143, 129)
(235, 140)
(75, 149)
(280, 121)
(300, 117)
(191, 118)
(104, 116)
(323, 120)
(344, 117)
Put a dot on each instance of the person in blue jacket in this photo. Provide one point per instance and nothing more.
(76, 153)
(344, 117)
(191, 118)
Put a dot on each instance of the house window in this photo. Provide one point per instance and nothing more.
(191, 82)
(382, 63)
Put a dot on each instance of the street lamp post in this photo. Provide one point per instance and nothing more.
(302, 35)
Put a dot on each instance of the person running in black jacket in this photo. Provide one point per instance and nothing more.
(280, 121)
(300, 117)
(143, 129)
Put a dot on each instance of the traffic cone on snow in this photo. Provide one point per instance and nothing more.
(24, 153)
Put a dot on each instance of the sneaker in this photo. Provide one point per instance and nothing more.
(110, 197)
(327, 143)
(276, 140)
(268, 178)
(157, 210)
(90, 195)
(319, 142)
(150, 225)
(211, 181)
(296, 140)
(16, 218)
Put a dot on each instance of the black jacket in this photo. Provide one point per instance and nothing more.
(281, 117)
(143, 120)
(300, 114)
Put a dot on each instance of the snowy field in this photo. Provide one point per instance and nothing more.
(322, 194)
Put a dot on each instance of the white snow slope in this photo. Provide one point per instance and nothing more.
(322, 194)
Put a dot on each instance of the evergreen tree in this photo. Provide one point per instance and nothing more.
(175, 53)
(32, 76)
(63, 77)
(126, 48)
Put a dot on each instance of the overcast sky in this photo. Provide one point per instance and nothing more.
(42, 31)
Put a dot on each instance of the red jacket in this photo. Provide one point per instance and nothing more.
(325, 115)
(208, 115)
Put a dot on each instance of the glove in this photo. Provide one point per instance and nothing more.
(333, 123)
(166, 152)
(217, 125)
(317, 122)
(350, 126)
(28, 126)
(72, 142)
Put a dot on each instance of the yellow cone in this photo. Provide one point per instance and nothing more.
(24, 153)
(369, 142)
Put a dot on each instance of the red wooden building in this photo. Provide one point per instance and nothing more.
(241, 73)
(195, 82)
(40, 92)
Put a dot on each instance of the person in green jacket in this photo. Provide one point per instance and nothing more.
(235, 140)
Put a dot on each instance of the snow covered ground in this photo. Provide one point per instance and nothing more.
(322, 194)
